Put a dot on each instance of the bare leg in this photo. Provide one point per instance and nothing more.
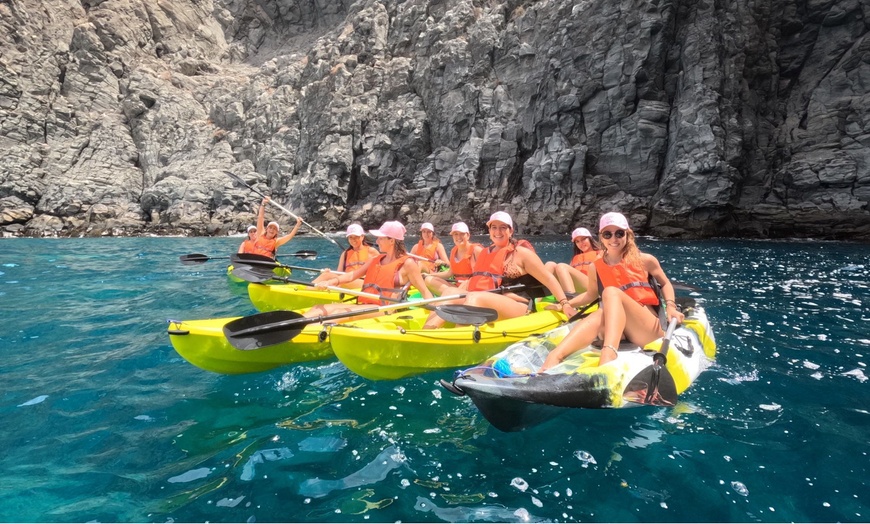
(571, 279)
(580, 336)
(623, 315)
(438, 286)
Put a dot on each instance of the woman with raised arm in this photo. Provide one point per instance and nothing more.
(385, 275)
(628, 301)
(268, 242)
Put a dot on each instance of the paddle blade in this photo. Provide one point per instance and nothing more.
(263, 329)
(193, 258)
(653, 386)
(250, 259)
(253, 274)
(305, 255)
(468, 315)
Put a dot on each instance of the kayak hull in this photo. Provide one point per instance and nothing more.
(274, 297)
(512, 396)
(203, 344)
(395, 346)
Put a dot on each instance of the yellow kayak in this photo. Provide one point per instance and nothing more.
(396, 346)
(203, 344)
(274, 297)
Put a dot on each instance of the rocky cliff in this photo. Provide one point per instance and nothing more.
(695, 118)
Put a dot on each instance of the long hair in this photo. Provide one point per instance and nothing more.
(595, 246)
(399, 248)
(630, 253)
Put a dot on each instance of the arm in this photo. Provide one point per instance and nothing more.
(651, 264)
(412, 271)
(441, 255)
(348, 277)
(341, 261)
(289, 236)
(261, 218)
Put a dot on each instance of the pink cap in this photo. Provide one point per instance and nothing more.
(580, 232)
(427, 225)
(355, 230)
(391, 229)
(501, 216)
(460, 227)
(613, 219)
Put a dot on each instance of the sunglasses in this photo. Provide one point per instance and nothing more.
(607, 235)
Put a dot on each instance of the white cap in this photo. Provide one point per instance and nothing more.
(580, 232)
(252, 228)
(391, 229)
(427, 225)
(460, 227)
(501, 216)
(273, 223)
(613, 219)
(355, 230)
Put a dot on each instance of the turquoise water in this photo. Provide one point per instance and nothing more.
(102, 420)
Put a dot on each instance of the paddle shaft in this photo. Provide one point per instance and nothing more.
(282, 208)
(660, 359)
(301, 322)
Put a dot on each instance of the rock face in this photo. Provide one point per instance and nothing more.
(694, 118)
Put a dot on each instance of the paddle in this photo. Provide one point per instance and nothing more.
(199, 258)
(282, 208)
(274, 327)
(654, 385)
(258, 275)
(462, 314)
(250, 259)
(583, 312)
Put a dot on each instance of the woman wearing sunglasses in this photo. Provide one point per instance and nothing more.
(628, 302)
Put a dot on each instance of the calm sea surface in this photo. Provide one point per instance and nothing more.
(102, 420)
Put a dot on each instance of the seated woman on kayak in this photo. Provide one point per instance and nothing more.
(247, 245)
(628, 302)
(572, 276)
(268, 242)
(351, 258)
(384, 275)
(429, 248)
(462, 258)
(500, 264)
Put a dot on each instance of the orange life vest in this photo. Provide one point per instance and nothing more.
(383, 279)
(462, 269)
(429, 252)
(355, 258)
(633, 280)
(489, 269)
(581, 261)
(248, 246)
(265, 246)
